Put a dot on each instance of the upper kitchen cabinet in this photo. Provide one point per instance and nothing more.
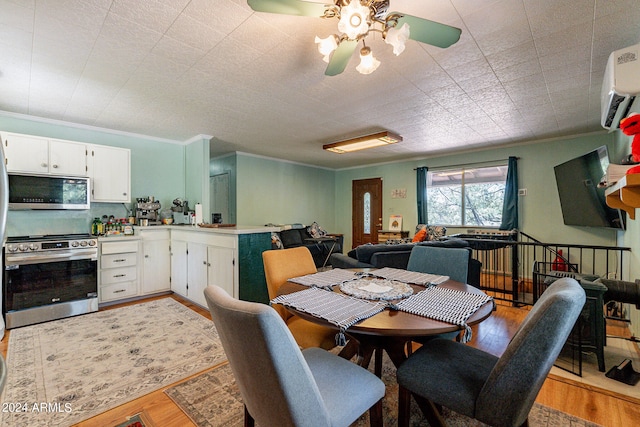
(34, 154)
(110, 171)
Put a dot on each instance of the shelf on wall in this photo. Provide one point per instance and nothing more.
(625, 194)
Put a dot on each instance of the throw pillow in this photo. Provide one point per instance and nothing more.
(420, 235)
(435, 232)
(275, 241)
(316, 231)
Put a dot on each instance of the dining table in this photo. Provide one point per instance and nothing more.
(393, 331)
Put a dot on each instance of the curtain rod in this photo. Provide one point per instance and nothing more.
(471, 164)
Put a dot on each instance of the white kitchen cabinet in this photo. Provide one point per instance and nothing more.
(200, 259)
(220, 267)
(110, 171)
(39, 155)
(197, 272)
(179, 267)
(156, 261)
(118, 270)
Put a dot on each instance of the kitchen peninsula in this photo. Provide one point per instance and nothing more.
(184, 259)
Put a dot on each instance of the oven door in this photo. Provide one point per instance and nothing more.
(35, 284)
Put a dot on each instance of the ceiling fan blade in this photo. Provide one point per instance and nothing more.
(341, 57)
(430, 32)
(288, 7)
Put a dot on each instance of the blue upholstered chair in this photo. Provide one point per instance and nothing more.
(496, 391)
(452, 262)
(282, 385)
(3, 373)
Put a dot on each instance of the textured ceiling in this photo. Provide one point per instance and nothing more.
(523, 70)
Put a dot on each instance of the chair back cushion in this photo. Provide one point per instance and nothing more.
(517, 377)
(452, 262)
(274, 379)
(282, 265)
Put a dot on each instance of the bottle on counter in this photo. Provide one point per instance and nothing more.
(95, 230)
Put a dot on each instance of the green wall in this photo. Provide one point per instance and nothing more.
(540, 213)
(157, 169)
(279, 192)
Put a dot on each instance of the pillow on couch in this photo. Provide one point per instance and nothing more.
(420, 235)
(316, 231)
(291, 238)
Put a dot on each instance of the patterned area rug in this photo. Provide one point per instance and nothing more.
(68, 370)
(212, 399)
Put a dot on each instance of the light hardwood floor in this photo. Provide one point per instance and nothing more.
(492, 335)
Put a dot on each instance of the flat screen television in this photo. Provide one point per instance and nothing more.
(582, 201)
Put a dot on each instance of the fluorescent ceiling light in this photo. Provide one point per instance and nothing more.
(363, 142)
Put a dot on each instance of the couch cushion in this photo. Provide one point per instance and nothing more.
(291, 238)
(364, 252)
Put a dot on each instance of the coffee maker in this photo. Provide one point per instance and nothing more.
(147, 211)
(181, 213)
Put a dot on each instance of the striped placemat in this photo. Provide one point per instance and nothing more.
(338, 309)
(410, 276)
(326, 279)
(446, 305)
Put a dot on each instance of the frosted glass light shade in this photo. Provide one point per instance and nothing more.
(397, 38)
(368, 63)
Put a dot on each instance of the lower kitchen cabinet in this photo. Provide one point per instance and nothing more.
(118, 270)
(199, 259)
(156, 261)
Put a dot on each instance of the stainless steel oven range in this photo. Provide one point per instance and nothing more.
(49, 277)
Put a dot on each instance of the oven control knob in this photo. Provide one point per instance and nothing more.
(33, 247)
(12, 248)
(74, 244)
(22, 247)
(83, 243)
(92, 242)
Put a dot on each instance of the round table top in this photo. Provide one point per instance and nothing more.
(394, 323)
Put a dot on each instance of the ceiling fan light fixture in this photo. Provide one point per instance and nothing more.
(354, 19)
(326, 46)
(397, 38)
(363, 142)
(368, 63)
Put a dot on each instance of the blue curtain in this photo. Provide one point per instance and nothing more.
(421, 174)
(510, 204)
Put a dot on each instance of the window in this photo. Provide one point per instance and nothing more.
(466, 196)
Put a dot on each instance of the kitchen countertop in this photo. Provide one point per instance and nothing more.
(238, 229)
(250, 229)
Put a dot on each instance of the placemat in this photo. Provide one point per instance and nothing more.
(446, 305)
(325, 279)
(410, 276)
(338, 309)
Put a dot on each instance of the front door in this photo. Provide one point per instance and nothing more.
(366, 210)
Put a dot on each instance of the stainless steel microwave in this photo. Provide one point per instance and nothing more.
(48, 192)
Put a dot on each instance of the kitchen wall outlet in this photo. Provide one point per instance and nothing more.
(522, 192)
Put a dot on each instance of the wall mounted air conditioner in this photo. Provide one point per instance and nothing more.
(621, 86)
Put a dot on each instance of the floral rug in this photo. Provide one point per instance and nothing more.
(68, 370)
(212, 399)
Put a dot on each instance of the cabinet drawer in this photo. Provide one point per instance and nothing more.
(118, 260)
(117, 291)
(119, 247)
(118, 275)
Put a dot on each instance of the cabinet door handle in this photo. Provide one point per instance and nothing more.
(119, 260)
(118, 291)
(120, 275)
(55, 166)
(208, 264)
(146, 256)
(44, 165)
(204, 262)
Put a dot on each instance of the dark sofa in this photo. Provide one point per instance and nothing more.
(295, 237)
(397, 256)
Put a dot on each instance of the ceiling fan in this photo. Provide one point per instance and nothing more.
(356, 19)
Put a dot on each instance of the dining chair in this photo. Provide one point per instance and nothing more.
(3, 373)
(498, 391)
(452, 262)
(281, 265)
(282, 385)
